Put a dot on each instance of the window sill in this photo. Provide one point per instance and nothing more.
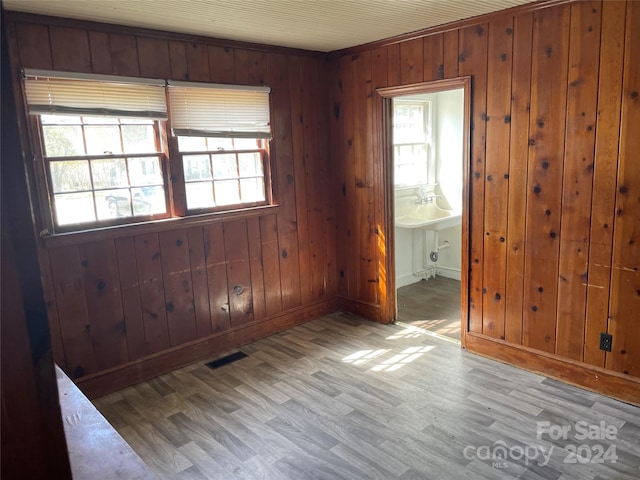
(131, 229)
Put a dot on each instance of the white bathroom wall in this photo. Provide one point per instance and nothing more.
(450, 259)
(449, 126)
(450, 122)
(404, 257)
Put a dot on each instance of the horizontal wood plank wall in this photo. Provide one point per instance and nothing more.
(122, 300)
(554, 123)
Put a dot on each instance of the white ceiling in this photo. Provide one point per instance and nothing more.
(323, 25)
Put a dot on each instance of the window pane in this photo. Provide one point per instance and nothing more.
(138, 138)
(199, 195)
(145, 171)
(196, 167)
(192, 144)
(136, 121)
(103, 188)
(60, 120)
(148, 200)
(245, 143)
(250, 164)
(62, 141)
(224, 166)
(100, 120)
(252, 190)
(403, 175)
(70, 176)
(103, 140)
(113, 203)
(412, 154)
(216, 143)
(74, 208)
(227, 192)
(238, 178)
(408, 124)
(109, 173)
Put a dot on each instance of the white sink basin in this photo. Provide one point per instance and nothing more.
(429, 216)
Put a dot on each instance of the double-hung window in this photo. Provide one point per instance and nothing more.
(102, 152)
(109, 145)
(102, 169)
(412, 142)
(223, 172)
(222, 136)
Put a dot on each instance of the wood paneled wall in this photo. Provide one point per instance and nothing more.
(120, 299)
(32, 437)
(554, 183)
(554, 217)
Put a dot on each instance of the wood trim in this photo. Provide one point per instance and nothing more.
(115, 379)
(21, 17)
(112, 456)
(129, 230)
(35, 176)
(596, 379)
(447, 27)
(465, 264)
(33, 442)
(364, 309)
(424, 87)
(391, 313)
(387, 93)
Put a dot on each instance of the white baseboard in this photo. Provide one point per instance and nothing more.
(410, 278)
(448, 272)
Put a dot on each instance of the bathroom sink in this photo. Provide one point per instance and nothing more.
(429, 216)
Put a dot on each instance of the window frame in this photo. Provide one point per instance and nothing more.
(262, 149)
(178, 182)
(161, 153)
(171, 163)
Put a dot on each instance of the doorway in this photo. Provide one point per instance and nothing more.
(426, 183)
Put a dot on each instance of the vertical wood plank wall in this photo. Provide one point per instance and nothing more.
(120, 301)
(32, 438)
(554, 193)
(555, 181)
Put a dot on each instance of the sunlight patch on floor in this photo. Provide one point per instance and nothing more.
(408, 332)
(411, 331)
(400, 360)
(363, 356)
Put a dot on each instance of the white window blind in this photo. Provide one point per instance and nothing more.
(101, 95)
(215, 110)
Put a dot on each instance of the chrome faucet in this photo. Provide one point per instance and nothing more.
(429, 198)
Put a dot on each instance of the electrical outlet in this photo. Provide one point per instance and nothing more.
(605, 342)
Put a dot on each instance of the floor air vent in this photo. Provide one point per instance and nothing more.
(226, 360)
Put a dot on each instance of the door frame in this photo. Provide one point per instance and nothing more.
(390, 314)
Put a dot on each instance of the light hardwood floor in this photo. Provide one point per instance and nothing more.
(433, 304)
(345, 398)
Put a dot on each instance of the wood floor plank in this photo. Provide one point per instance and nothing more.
(271, 444)
(191, 473)
(154, 450)
(344, 398)
(202, 458)
(317, 398)
(366, 463)
(208, 430)
(433, 305)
